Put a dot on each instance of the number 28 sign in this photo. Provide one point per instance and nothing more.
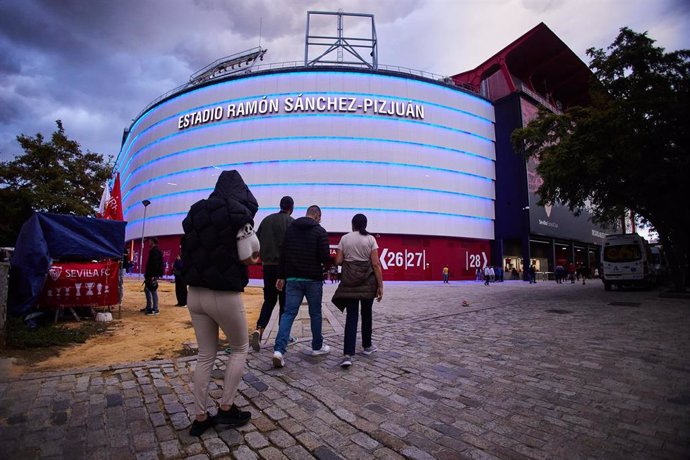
(475, 260)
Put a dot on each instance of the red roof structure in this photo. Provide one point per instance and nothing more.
(539, 64)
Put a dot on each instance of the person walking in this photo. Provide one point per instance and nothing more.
(532, 274)
(305, 253)
(362, 283)
(180, 286)
(271, 233)
(218, 244)
(487, 275)
(445, 273)
(154, 270)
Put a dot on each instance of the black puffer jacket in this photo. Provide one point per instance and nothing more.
(305, 250)
(209, 246)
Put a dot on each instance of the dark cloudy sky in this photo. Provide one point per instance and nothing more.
(95, 64)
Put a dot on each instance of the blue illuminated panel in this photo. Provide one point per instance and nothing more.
(430, 175)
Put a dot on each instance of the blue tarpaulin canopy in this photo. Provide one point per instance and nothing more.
(45, 237)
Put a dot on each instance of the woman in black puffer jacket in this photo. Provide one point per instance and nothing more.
(218, 244)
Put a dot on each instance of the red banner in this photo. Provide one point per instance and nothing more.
(81, 284)
(113, 207)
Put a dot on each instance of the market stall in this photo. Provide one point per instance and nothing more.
(63, 261)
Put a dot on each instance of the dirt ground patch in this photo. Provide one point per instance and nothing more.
(130, 337)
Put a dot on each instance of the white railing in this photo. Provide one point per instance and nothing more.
(538, 97)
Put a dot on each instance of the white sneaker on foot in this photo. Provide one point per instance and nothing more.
(346, 362)
(325, 349)
(254, 340)
(278, 360)
(369, 350)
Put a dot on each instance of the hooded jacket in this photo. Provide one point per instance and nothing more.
(305, 250)
(209, 246)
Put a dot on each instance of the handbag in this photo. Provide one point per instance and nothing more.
(151, 284)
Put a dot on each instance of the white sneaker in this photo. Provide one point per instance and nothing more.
(325, 349)
(346, 362)
(369, 350)
(278, 360)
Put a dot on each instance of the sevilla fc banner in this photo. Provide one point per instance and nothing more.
(81, 284)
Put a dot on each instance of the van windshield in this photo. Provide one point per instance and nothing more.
(622, 253)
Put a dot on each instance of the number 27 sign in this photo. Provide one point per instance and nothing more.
(405, 259)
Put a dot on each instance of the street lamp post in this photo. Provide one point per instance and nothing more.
(146, 203)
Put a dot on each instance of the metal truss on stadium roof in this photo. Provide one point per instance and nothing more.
(245, 62)
(341, 44)
(241, 62)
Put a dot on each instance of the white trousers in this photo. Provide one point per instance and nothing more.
(209, 310)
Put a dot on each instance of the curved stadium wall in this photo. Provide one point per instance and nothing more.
(416, 156)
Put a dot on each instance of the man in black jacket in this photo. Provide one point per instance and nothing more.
(154, 270)
(305, 252)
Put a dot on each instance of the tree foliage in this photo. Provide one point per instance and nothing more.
(51, 176)
(627, 150)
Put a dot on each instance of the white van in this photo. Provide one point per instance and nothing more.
(626, 260)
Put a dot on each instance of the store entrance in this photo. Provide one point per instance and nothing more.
(512, 266)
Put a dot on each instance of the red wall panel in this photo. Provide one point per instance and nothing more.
(403, 257)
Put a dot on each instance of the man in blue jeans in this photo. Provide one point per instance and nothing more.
(303, 257)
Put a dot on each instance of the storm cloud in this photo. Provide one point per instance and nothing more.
(96, 64)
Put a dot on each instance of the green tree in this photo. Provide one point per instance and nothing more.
(628, 149)
(51, 176)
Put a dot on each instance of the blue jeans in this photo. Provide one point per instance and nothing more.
(295, 291)
(151, 300)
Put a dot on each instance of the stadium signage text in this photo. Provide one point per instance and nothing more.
(302, 104)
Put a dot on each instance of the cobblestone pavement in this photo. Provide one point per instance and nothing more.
(520, 371)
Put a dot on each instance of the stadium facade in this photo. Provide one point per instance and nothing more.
(417, 155)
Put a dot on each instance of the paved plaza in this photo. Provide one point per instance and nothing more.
(464, 370)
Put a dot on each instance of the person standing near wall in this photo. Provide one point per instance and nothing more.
(271, 234)
(154, 270)
(445, 274)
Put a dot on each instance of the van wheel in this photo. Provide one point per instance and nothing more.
(607, 286)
